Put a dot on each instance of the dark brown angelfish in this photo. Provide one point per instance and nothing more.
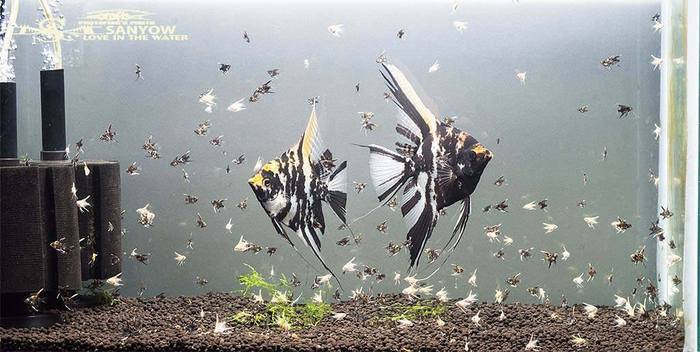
(436, 164)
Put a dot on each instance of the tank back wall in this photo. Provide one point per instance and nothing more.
(541, 144)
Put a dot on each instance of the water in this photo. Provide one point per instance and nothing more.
(545, 146)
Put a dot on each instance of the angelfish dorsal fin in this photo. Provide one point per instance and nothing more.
(258, 165)
(408, 100)
(311, 143)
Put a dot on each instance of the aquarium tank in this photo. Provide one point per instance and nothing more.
(439, 175)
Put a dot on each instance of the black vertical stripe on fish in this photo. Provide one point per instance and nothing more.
(419, 234)
(402, 102)
(411, 108)
(421, 227)
(310, 232)
(317, 221)
(406, 132)
(412, 202)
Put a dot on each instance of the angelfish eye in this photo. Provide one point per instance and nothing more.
(472, 155)
(267, 182)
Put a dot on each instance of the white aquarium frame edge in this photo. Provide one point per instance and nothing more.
(690, 274)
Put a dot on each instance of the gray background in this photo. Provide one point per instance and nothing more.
(545, 146)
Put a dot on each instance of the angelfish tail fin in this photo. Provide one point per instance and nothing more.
(337, 196)
(389, 171)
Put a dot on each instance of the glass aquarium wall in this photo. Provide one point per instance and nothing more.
(564, 95)
(678, 162)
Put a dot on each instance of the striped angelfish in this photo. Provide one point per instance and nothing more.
(436, 164)
(291, 188)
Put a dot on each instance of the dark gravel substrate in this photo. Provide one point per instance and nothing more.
(174, 323)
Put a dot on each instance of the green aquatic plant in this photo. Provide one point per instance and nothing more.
(242, 317)
(98, 295)
(25, 160)
(279, 297)
(285, 315)
(313, 312)
(283, 322)
(259, 319)
(245, 317)
(418, 311)
(106, 297)
(285, 283)
(254, 280)
(280, 311)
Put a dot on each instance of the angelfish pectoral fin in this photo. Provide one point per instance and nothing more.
(445, 174)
